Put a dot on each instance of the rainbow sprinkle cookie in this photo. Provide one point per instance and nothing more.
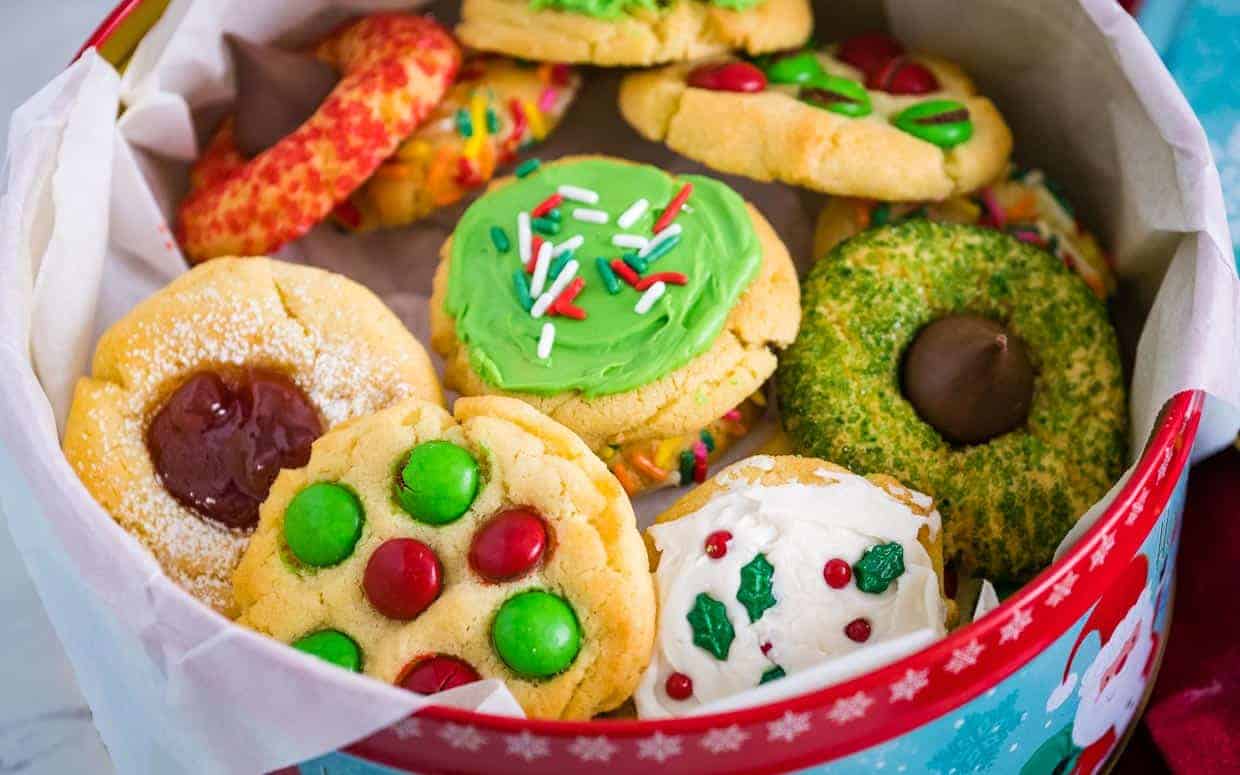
(429, 550)
(633, 306)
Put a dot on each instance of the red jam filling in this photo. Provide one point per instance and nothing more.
(218, 442)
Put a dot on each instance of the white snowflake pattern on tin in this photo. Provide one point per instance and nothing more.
(659, 747)
(462, 737)
(1062, 589)
(788, 727)
(1021, 619)
(964, 657)
(851, 708)
(724, 739)
(1138, 506)
(910, 685)
(408, 728)
(593, 749)
(1164, 464)
(526, 746)
(1104, 548)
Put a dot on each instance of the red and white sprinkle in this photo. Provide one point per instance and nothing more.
(630, 241)
(524, 233)
(647, 300)
(541, 265)
(545, 341)
(561, 282)
(572, 243)
(578, 194)
(590, 216)
(634, 211)
(663, 236)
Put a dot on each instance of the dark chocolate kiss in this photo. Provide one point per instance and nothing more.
(969, 378)
(277, 91)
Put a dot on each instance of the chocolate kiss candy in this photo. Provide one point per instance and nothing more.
(969, 378)
(276, 92)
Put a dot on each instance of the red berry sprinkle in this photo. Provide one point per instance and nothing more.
(729, 76)
(438, 673)
(717, 544)
(679, 686)
(837, 573)
(766, 648)
(402, 578)
(870, 51)
(509, 546)
(858, 630)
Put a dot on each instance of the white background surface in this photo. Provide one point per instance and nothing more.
(44, 723)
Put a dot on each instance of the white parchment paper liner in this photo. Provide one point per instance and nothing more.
(173, 686)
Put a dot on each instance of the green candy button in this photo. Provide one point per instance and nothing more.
(332, 646)
(438, 483)
(944, 123)
(838, 95)
(536, 634)
(322, 524)
(801, 67)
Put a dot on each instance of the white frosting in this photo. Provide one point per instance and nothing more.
(798, 527)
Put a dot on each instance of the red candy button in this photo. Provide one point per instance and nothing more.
(439, 673)
(858, 630)
(730, 76)
(402, 578)
(869, 52)
(837, 573)
(900, 76)
(679, 686)
(717, 544)
(509, 546)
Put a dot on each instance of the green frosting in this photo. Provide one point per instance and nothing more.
(614, 9)
(614, 349)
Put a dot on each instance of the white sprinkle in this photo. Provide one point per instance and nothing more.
(561, 282)
(635, 211)
(541, 265)
(661, 237)
(523, 237)
(572, 243)
(590, 216)
(545, 341)
(652, 294)
(578, 194)
(630, 241)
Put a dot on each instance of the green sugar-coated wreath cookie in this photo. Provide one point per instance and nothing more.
(971, 367)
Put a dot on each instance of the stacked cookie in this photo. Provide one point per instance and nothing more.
(273, 434)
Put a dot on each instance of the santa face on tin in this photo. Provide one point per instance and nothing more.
(1115, 682)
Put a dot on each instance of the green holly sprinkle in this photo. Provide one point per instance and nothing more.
(772, 674)
(755, 592)
(711, 628)
(878, 567)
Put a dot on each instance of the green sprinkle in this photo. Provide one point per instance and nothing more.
(711, 629)
(878, 567)
(558, 264)
(663, 248)
(554, 215)
(636, 263)
(755, 592)
(772, 674)
(545, 226)
(522, 284)
(708, 440)
(492, 120)
(610, 281)
(686, 468)
(500, 239)
(881, 214)
(528, 167)
(464, 124)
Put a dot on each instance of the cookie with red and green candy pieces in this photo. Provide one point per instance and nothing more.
(429, 549)
(862, 118)
(739, 560)
(1025, 203)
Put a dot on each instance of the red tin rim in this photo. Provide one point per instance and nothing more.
(1166, 452)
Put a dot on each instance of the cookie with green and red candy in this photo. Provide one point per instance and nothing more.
(858, 119)
(740, 560)
(1022, 202)
(429, 549)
